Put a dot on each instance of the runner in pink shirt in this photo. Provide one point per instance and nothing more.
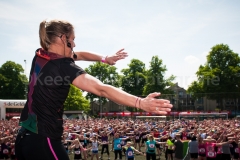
(201, 149)
(210, 145)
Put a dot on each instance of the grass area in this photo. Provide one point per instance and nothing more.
(105, 157)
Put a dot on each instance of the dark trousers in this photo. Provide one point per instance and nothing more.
(219, 156)
(107, 149)
(116, 152)
(226, 156)
(29, 146)
(4, 156)
(211, 158)
(151, 155)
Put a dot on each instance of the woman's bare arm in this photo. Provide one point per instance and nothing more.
(90, 84)
(91, 56)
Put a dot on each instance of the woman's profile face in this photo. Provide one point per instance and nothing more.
(70, 40)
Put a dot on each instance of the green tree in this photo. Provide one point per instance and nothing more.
(105, 73)
(76, 101)
(219, 77)
(196, 89)
(155, 78)
(13, 82)
(133, 79)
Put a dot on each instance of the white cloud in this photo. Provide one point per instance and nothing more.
(192, 60)
(186, 80)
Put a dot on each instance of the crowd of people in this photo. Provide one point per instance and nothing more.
(8, 133)
(96, 138)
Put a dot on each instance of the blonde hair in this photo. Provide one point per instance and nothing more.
(48, 31)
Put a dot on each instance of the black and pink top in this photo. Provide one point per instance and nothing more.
(49, 82)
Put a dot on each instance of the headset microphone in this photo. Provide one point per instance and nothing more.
(70, 46)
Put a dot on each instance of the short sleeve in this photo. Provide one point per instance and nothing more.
(70, 70)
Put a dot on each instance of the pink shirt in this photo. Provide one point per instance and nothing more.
(210, 150)
(202, 149)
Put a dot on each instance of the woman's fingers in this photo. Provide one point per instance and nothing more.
(121, 54)
(160, 112)
(153, 95)
(162, 103)
(118, 56)
(120, 51)
(161, 108)
(153, 105)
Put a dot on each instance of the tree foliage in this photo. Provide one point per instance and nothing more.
(155, 78)
(219, 78)
(76, 101)
(196, 89)
(105, 73)
(133, 79)
(13, 82)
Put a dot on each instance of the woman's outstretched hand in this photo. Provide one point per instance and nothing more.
(153, 105)
(111, 60)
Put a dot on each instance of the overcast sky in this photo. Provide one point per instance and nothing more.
(180, 32)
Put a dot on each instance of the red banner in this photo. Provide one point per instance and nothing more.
(152, 114)
(12, 114)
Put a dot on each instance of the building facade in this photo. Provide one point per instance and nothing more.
(182, 101)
